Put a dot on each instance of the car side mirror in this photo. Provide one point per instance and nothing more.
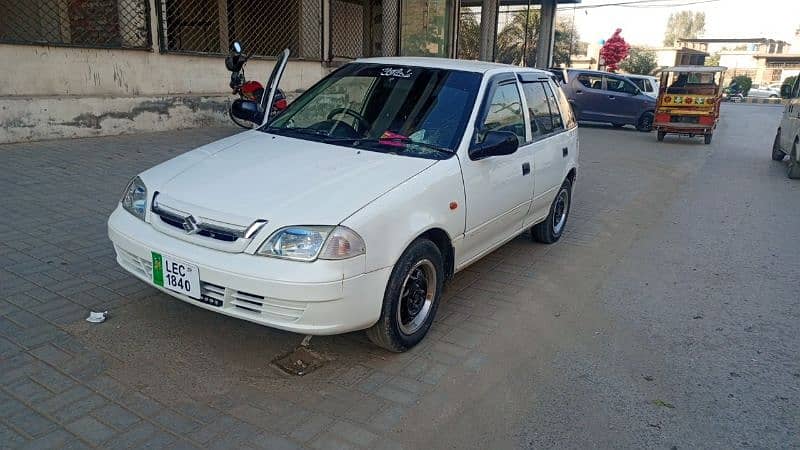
(786, 91)
(495, 143)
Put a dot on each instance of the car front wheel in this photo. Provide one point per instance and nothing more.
(552, 228)
(793, 171)
(645, 123)
(411, 298)
(777, 153)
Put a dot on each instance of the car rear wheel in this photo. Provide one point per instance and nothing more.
(707, 138)
(660, 136)
(411, 298)
(645, 123)
(793, 171)
(777, 153)
(550, 230)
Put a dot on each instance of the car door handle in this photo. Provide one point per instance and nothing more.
(526, 169)
(565, 152)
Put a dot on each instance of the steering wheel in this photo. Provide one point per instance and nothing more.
(363, 124)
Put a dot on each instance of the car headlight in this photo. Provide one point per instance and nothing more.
(134, 200)
(307, 243)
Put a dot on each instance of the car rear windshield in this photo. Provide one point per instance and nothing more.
(416, 111)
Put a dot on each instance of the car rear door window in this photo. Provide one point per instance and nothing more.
(558, 123)
(538, 109)
(591, 81)
(567, 116)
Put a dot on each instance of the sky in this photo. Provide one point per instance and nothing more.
(776, 19)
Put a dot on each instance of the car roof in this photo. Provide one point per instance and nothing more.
(596, 72)
(446, 63)
(695, 69)
(636, 75)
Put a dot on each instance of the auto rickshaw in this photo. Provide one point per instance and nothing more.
(688, 101)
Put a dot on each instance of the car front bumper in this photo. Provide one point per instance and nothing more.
(321, 297)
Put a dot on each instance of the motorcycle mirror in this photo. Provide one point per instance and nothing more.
(236, 47)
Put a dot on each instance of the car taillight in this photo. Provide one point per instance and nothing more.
(662, 118)
(706, 120)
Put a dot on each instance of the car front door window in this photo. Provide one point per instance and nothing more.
(620, 85)
(504, 112)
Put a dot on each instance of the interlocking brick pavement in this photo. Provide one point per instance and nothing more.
(66, 383)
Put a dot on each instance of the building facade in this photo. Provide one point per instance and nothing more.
(75, 68)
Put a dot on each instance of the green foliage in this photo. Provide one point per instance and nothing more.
(469, 37)
(511, 40)
(713, 60)
(684, 24)
(639, 61)
(744, 82)
(567, 42)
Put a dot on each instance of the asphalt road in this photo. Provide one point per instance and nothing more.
(666, 317)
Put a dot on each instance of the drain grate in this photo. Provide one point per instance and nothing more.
(300, 361)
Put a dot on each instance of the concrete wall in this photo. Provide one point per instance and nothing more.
(54, 92)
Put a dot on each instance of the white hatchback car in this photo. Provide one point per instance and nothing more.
(351, 208)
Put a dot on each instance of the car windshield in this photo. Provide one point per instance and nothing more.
(414, 111)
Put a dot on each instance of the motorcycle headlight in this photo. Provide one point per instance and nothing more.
(307, 243)
(134, 200)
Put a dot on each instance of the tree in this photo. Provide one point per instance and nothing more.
(789, 81)
(684, 24)
(469, 36)
(614, 50)
(514, 45)
(567, 42)
(639, 61)
(744, 82)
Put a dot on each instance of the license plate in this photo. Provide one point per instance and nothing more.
(176, 275)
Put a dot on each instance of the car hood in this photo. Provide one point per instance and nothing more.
(284, 180)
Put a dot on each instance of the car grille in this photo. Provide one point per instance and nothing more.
(203, 229)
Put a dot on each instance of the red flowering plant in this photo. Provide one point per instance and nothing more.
(614, 51)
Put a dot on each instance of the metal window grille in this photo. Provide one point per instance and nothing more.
(347, 29)
(263, 28)
(80, 23)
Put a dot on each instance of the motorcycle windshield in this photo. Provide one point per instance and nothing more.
(272, 84)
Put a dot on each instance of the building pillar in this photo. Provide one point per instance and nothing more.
(488, 29)
(547, 34)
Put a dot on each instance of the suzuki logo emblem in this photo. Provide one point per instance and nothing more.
(190, 225)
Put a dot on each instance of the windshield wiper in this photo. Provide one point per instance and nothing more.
(301, 130)
(388, 142)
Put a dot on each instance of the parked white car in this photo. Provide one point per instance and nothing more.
(350, 209)
(764, 92)
(787, 139)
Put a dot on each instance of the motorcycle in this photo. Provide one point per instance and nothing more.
(247, 111)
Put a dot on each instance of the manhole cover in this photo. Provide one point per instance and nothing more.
(300, 361)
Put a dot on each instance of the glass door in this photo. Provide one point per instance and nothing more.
(426, 27)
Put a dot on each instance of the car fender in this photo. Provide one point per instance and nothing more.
(431, 199)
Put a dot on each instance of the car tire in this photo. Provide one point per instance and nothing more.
(660, 136)
(645, 122)
(773, 96)
(707, 138)
(793, 171)
(777, 153)
(411, 298)
(550, 230)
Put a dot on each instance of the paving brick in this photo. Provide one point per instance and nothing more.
(31, 423)
(395, 394)
(133, 437)
(221, 425)
(175, 422)
(50, 354)
(389, 418)
(79, 408)
(269, 441)
(10, 438)
(8, 348)
(330, 441)
(9, 405)
(108, 387)
(313, 425)
(91, 430)
(253, 415)
(28, 391)
(353, 433)
(52, 379)
(63, 399)
(116, 416)
(373, 382)
(159, 439)
(202, 413)
(59, 439)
